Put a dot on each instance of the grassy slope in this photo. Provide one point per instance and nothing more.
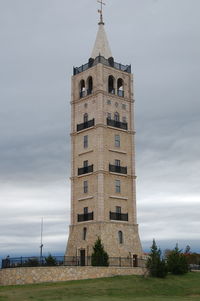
(113, 289)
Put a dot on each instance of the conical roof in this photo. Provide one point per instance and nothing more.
(101, 46)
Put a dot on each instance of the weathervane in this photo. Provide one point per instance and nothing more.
(101, 11)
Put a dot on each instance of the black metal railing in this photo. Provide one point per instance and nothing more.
(43, 261)
(119, 216)
(85, 217)
(117, 124)
(117, 169)
(111, 91)
(85, 170)
(85, 125)
(89, 91)
(102, 60)
(82, 94)
(120, 93)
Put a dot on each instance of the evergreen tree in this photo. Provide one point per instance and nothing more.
(155, 264)
(177, 262)
(99, 255)
(50, 260)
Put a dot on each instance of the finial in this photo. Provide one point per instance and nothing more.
(100, 11)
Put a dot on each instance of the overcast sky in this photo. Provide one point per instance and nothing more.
(40, 41)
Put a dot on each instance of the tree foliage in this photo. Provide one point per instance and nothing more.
(99, 255)
(155, 264)
(50, 260)
(177, 262)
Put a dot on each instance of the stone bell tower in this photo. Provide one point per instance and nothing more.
(103, 192)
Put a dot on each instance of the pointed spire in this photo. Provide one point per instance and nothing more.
(101, 46)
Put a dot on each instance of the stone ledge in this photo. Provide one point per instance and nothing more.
(19, 276)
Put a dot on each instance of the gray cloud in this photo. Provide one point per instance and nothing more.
(40, 43)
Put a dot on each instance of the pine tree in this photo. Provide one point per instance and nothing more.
(156, 266)
(50, 260)
(99, 255)
(177, 262)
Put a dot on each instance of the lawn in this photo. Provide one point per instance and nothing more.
(125, 288)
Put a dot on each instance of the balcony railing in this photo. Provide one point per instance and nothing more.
(102, 60)
(85, 125)
(120, 93)
(119, 216)
(117, 169)
(85, 170)
(85, 217)
(82, 94)
(111, 91)
(117, 124)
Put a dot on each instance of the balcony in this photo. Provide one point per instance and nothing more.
(85, 217)
(115, 216)
(85, 170)
(102, 60)
(85, 125)
(118, 169)
(117, 124)
(120, 93)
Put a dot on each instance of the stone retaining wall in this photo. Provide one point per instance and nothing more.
(17, 276)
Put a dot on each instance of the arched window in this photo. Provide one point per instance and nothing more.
(85, 117)
(82, 88)
(111, 84)
(120, 236)
(116, 116)
(84, 233)
(89, 85)
(120, 87)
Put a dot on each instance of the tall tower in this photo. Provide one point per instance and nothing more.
(103, 194)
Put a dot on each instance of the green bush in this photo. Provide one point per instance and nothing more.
(50, 260)
(177, 262)
(155, 264)
(99, 255)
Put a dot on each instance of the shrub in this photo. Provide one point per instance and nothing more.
(99, 255)
(155, 264)
(50, 260)
(177, 262)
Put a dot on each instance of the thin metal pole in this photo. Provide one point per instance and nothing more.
(41, 242)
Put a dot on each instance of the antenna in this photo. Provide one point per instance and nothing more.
(41, 243)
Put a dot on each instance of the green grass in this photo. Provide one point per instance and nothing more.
(127, 288)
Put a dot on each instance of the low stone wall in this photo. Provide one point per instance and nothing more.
(17, 276)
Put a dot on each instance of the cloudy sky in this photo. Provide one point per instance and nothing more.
(40, 41)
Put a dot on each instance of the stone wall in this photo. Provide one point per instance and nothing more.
(18, 276)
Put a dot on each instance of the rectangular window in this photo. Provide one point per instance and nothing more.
(85, 142)
(117, 162)
(117, 140)
(123, 106)
(85, 186)
(108, 102)
(117, 186)
(85, 210)
(118, 209)
(85, 163)
(109, 115)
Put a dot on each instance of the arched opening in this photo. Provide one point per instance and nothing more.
(120, 236)
(82, 88)
(120, 87)
(85, 117)
(116, 116)
(111, 84)
(84, 233)
(89, 85)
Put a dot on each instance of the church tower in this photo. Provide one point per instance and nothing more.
(103, 189)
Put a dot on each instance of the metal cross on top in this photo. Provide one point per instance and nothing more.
(101, 11)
